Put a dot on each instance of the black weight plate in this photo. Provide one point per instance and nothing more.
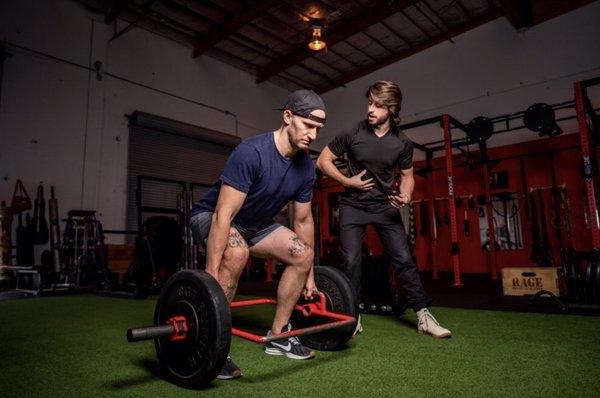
(340, 298)
(571, 278)
(596, 272)
(480, 129)
(196, 360)
(597, 283)
(590, 275)
(576, 279)
(567, 277)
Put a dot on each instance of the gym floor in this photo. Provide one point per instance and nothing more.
(77, 344)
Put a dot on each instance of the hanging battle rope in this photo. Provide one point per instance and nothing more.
(536, 239)
(516, 226)
(565, 205)
(544, 252)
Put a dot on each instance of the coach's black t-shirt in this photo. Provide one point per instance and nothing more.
(378, 155)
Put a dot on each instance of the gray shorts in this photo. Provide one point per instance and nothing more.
(200, 225)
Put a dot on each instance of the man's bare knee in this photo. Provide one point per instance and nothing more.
(300, 252)
(234, 259)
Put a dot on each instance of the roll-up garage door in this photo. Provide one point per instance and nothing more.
(166, 157)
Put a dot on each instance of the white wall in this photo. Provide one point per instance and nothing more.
(490, 71)
(61, 126)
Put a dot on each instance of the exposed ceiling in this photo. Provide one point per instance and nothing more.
(269, 38)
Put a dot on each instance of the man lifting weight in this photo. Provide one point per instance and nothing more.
(235, 217)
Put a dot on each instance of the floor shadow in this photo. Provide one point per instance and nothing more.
(293, 367)
(153, 373)
(408, 324)
(151, 368)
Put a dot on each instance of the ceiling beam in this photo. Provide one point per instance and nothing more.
(528, 13)
(416, 25)
(386, 25)
(186, 10)
(231, 24)
(252, 45)
(337, 34)
(464, 9)
(455, 31)
(378, 42)
(396, 33)
(145, 10)
(441, 29)
(518, 12)
(276, 19)
(360, 50)
(115, 8)
(238, 39)
(544, 10)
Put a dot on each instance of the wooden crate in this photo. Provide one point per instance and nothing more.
(530, 280)
(120, 258)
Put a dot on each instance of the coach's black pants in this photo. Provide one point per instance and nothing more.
(390, 229)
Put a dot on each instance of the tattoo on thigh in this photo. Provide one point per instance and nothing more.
(236, 240)
(297, 246)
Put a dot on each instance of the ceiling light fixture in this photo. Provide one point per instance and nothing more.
(316, 42)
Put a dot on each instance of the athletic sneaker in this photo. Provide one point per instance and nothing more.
(428, 324)
(291, 347)
(230, 370)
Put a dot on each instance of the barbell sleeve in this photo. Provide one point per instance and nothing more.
(149, 333)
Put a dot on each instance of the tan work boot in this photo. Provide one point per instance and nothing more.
(428, 324)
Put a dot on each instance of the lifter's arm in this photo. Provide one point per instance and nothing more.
(228, 204)
(304, 227)
(326, 165)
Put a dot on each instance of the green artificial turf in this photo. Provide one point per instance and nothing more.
(75, 346)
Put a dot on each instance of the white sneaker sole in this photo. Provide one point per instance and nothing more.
(275, 351)
(230, 377)
(358, 329)
(439, 336)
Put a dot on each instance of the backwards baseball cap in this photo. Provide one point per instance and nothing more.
(303, 102)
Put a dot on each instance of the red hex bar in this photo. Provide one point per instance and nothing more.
(317, 308)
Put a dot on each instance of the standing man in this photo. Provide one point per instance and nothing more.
(235, 217)
(375, 148)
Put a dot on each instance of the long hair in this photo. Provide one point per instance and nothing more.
(387, 93)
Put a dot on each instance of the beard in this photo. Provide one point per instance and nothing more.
(379, 120)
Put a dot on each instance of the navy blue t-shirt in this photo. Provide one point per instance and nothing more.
(269, 180)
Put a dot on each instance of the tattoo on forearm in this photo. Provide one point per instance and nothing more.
(297, 246)
(236, 240)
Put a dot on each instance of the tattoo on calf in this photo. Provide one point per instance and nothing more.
(230, 291)
(236, 240)
(297, 247)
